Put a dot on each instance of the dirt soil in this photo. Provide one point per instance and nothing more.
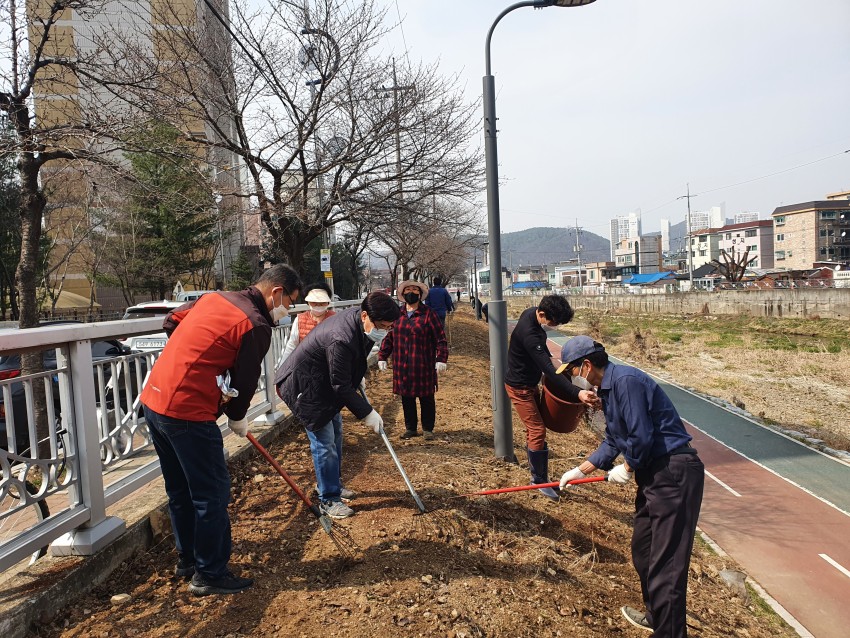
(509, 565)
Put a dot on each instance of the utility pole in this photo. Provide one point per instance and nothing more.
(395, 89)
(688, 237)
(578, 255)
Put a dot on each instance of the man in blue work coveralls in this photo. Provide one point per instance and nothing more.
(643, 426)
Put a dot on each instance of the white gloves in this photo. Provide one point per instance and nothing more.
(362, 385)
(374, 421)
(572, 475)
(239, 427)
(440, 367)
(620, 475)
(382, 366)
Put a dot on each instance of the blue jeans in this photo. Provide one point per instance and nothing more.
(326, 447)
(191, 454)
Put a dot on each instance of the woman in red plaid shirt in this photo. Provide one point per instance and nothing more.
(419, 352)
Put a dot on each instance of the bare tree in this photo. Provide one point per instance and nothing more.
(304, 102)
(732, 266)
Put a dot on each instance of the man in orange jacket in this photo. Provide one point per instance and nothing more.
(219, 333)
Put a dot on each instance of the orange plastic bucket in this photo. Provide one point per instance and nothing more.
(559, 415)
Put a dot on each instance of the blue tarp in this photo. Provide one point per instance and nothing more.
(530, 284)
(642, 280)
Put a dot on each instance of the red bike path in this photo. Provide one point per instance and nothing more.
(780, 535)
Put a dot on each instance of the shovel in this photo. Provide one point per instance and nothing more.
(419, 504)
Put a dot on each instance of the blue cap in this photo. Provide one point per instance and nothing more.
(579, 347)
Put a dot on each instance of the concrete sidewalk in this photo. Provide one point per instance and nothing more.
(37, 593)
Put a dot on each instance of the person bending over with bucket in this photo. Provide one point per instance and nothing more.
(323, 374)
(642, 424)
(528, 358)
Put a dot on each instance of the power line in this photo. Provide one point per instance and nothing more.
(755, 179)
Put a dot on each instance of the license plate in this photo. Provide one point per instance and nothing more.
(150, 343)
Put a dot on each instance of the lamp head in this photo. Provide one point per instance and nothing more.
(572, 3)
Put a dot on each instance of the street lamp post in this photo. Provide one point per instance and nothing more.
(497, 308)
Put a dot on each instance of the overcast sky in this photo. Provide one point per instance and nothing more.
(615, 106)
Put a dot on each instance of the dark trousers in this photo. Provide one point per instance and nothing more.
(666, 512)
(191, 454)
(429, 412)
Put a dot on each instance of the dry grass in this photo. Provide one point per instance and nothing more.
(787, 372)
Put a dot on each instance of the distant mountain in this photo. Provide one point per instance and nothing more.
(538, 246)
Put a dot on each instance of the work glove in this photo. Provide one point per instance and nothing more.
(382, 366)
(620, 475)
(240, 427)
(440, 367)
(374, 421)
(362, 386)
(572, 475)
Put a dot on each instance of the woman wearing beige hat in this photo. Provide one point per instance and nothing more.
(418, 351)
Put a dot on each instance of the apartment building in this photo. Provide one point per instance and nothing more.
(624, 227)
(812, 232)
(704, 246)
(60, 99)
(755, 238)
(639, 255)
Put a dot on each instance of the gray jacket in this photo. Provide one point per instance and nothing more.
(323, 373)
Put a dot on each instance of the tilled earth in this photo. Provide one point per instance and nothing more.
(508, 565)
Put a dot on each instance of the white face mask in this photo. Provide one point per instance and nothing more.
(318, 310)
(580, 382)
(279, 312)
(376, 334)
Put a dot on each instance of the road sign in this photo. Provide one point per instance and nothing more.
(325, 260)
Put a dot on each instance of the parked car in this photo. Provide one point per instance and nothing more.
(10, 368)
(191, 295)
(156, 341)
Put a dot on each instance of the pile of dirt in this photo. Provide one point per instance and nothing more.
(513, 565)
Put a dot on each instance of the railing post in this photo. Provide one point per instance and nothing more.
(273, 415)
(100, 529)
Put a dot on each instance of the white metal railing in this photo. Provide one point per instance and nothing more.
(95, 448)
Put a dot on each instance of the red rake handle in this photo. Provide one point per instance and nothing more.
(537, 486)
(281, 471)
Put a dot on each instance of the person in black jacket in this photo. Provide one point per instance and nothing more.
(528, 358)
(323, 375)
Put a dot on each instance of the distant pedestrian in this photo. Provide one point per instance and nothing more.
(217, 334)
(323, 375)
(484, 313)
(439, 300)
(528, 358)
(417, 345)
(643, 426)
(458, 295)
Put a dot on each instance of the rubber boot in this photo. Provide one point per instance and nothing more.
(539, 462)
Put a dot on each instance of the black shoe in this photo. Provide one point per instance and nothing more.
(409, 434)
(184, 569)
(428, 435)
(227, 584)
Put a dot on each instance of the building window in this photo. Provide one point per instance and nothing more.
(780, 255)
(702, 253)
(780, 237)
(828, 214)
(823, 250)
(753, 248)
(750, 233)
(593, 274)
(823, 232)
(728, 235)
(780, 220)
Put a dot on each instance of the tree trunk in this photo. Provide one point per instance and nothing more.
(33, 203)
